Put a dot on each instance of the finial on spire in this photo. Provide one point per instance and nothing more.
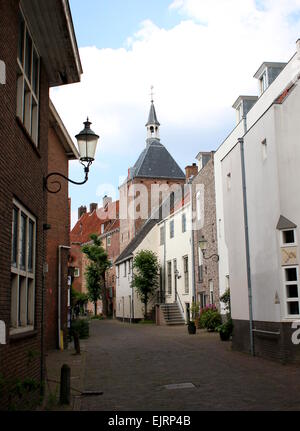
(152, 94)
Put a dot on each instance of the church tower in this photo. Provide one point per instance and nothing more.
(155, 166)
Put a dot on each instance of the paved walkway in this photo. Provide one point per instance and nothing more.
(131, 364)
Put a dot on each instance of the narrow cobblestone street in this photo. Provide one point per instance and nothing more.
(131, 364)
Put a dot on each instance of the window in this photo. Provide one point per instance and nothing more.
(211, 292)
(102, 229)
(264, 149)
(169, 274)
(289, 237)
(22, 269)
(263, 82)
(198, 205)
(109, 241)
(125, 269)
(28, 81)
(200, 273)
(186, 274)
(76, 272)
(172, 229)
(291, 286)
(239, 112)
(183, 223)
(162, 235)
(229, 181)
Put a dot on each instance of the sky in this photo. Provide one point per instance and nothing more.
(199, 55)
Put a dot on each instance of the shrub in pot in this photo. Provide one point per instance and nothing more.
(210, 318)
(191, 328)
(226, 330)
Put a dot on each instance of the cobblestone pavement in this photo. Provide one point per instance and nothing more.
(131, 364)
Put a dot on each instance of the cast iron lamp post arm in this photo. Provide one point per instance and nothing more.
(214, 257)
(57, 174)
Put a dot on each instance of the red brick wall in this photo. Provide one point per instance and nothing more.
(128, 228)
(22, 168)
(59, 219)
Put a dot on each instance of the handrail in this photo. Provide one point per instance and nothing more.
(178, 297)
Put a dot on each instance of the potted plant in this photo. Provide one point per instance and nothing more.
(226, 330)
(192, 327)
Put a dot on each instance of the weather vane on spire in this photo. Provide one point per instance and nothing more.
(152, 93)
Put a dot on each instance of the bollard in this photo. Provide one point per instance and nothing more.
(65, 388)
(76, 343)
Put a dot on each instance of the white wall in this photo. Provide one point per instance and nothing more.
(125, 307)
(253, 141)
(177, 248)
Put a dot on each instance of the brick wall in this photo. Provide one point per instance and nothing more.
(59, 219)
(209, 231)
(22, 168)
(273, 342)
(128, 228)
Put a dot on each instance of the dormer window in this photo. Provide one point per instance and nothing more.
(239, 111)
(263, 82)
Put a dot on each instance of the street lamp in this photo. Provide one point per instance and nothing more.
(87, 144)
(203, 247)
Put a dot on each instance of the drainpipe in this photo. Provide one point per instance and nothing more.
(163, 297)
(241, 142)
(192, 242)
(60, 248)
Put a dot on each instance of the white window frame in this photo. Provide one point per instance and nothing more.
(172, 229)
(198, 206)
(108, 241)
(76, 272)
(186, 274)
(289, 244)
(184, 223)
(288, 283)
(264, 81)
(27, 97)
(23, 278)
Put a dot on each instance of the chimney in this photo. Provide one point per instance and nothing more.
(82, 210)
(191, 171)
(93, 207)
(106, 201)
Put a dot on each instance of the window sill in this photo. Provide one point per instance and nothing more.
(21, 334)
(28, 137)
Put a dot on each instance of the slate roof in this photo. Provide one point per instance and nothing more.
(156, 162)
(285, 223)
(152, 116)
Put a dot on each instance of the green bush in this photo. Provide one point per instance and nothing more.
(210, 319)
(226, 330)
(82, 327)
(98, 317)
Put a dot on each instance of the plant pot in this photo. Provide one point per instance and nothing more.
(224, 336)
(192, 328)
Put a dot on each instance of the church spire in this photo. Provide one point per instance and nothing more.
(153, 123)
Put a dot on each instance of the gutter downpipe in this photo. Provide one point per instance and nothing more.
(192, 242)
(60, 248)
(241, 142)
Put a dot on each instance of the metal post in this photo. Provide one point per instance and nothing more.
(65, 387)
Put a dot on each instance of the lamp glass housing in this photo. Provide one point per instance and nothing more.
(203, 244)
(87, 143)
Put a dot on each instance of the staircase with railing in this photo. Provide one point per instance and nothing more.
(172, 314)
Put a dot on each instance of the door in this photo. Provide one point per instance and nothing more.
(175, 278)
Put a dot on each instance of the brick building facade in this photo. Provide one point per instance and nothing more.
(60, 150)
(105, 223)
(204, 215)
(24, 125)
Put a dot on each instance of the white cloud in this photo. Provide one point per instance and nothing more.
(198, 68)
